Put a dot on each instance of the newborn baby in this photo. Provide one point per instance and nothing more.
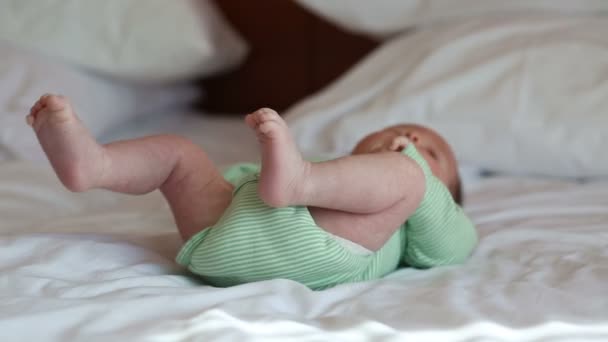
(389, 204)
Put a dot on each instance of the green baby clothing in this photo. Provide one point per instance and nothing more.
(254, 242)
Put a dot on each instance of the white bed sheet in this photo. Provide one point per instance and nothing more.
(99, 266)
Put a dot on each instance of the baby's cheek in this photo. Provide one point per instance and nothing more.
(434, 165)
(371, 143)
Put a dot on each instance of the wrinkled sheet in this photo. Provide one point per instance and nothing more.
(99, 266)
(383, 18)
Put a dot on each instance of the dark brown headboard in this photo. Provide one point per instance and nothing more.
(293, 53)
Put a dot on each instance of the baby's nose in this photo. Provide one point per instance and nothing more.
(412, 136)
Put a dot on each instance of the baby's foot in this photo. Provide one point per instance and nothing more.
(283, 175)
(76, 157)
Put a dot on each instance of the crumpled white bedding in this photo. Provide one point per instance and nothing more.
(513, 94)
(99, 266)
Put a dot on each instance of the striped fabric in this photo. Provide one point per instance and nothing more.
(254, 242)
(439, 232)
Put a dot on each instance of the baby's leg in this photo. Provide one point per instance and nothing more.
(195, 190)
(363, 184)
(362, 198)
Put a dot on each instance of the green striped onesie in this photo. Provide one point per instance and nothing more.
(254, 242)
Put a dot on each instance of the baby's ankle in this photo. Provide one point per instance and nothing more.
(282, 194)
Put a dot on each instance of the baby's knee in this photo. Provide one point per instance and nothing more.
(414, 180)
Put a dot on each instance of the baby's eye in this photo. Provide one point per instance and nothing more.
(432, 154)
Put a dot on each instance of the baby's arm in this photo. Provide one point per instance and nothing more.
(439, 232)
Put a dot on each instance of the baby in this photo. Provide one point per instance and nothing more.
(356, 218)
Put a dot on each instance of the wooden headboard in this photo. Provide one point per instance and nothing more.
(293, 53)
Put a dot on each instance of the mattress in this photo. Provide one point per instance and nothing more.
(100, 266)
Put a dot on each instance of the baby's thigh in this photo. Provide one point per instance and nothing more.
(371, 231)
(202, 209)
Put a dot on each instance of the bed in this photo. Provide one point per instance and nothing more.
(100, 266)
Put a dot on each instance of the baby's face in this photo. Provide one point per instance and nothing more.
(429, 144)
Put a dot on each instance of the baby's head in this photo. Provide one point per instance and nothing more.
(429, 144)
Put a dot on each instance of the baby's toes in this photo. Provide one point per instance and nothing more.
(267, 114)
(53, 103)
(30, 119)
(37, 107)
(251, 121)
(260, 116)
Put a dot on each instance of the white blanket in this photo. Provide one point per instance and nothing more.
(99, 266)
(516, 94)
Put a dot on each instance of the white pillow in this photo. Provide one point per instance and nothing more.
(381, 18)
(99, 102)
(142, 40)
(519, 95)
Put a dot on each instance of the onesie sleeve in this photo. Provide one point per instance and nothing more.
(439, 232)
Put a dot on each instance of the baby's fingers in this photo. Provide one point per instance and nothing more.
(399, 143)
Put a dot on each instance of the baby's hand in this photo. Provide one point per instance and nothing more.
(399, 143)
